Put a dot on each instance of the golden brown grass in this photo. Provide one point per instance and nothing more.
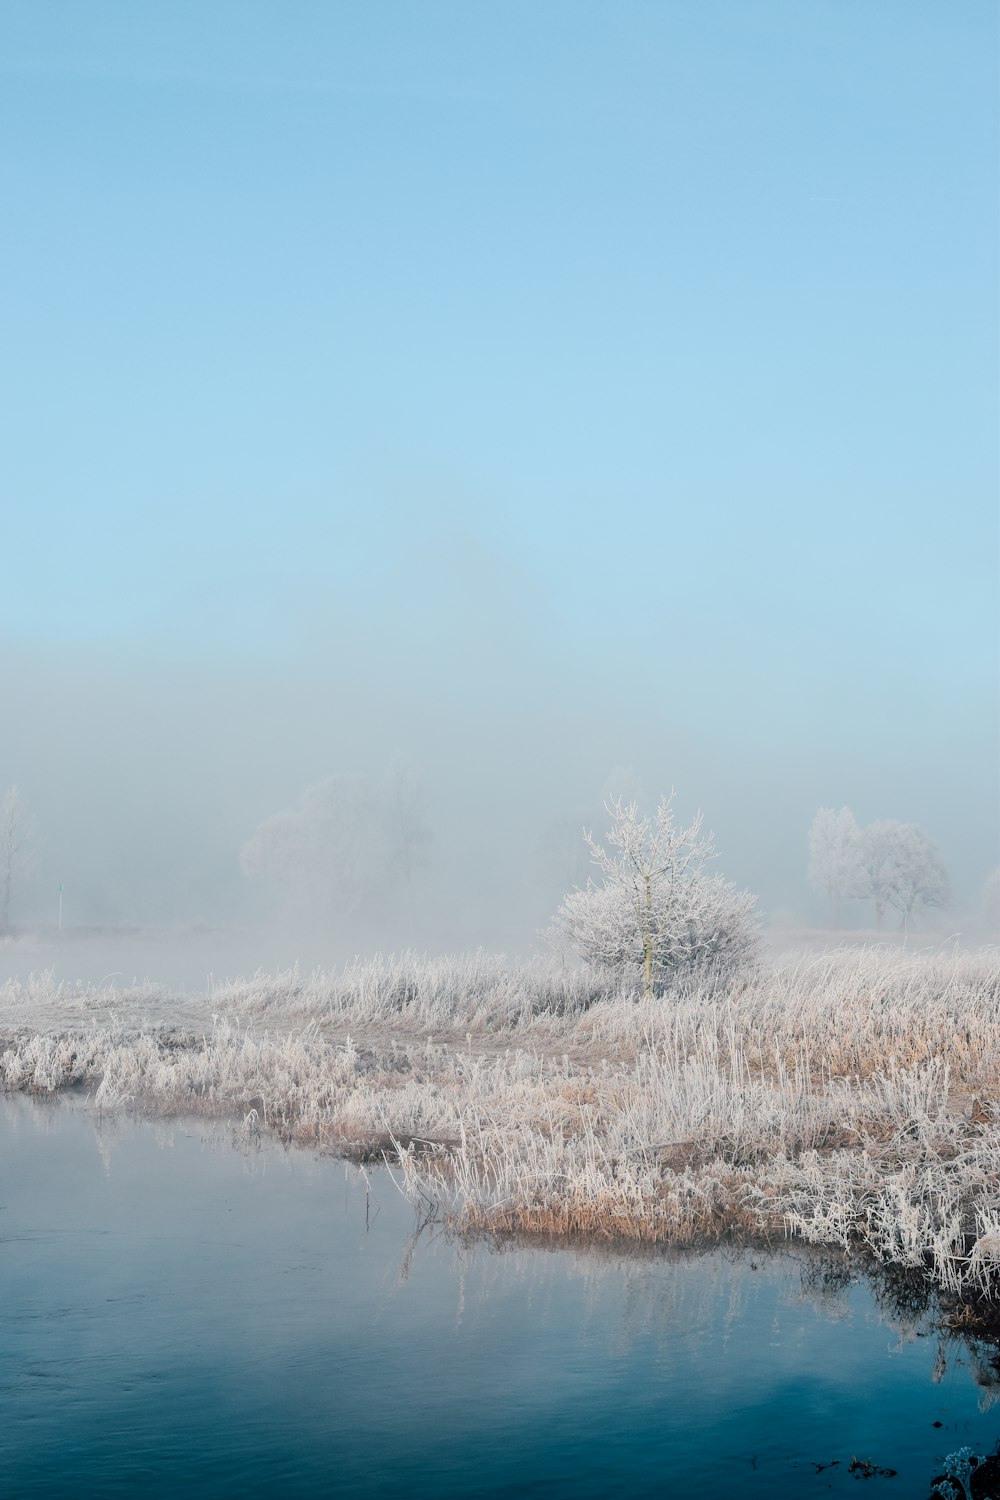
(848, 1099)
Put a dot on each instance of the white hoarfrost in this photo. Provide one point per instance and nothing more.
(849, 1099)
(833, 854)
(899, 866)
(893, 865)
(656, 915)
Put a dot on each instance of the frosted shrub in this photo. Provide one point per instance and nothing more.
(656, 916)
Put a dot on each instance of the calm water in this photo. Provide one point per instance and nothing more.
(178, 1318)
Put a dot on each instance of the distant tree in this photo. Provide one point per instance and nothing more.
(16, 832)
(655, 913)
(899, 866)
(346, 844)
(407, 831)
(833, 855)
(920, 878)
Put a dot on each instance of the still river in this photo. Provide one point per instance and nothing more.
(182, 1317)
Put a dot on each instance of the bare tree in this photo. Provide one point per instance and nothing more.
(899, 866)
(920, 879)
(655, 912)
(833, 855)
(16, 831)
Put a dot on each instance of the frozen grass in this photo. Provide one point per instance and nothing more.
(846, 1099)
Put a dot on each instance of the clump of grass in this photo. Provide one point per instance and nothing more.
(847, 1100)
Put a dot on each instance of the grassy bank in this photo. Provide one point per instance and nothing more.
(846, 1099)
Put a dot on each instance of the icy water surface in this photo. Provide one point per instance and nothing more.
(177, 1317)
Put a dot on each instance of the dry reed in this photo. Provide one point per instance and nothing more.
(846, 1099)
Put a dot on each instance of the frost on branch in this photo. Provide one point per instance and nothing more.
(890, 864)
(898, 866)
(655, 914)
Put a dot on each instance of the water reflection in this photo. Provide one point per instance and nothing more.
(179, 1314)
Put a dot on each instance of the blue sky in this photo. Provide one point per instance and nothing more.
(637, 361)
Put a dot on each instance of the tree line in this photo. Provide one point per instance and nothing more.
(893, 865)
(350, 848)
(347, 850)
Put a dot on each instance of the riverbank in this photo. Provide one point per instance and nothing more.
(848, 1100)
(180, 1317)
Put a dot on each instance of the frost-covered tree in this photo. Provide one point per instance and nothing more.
(621, 784)
(833, 854)
(655, 912)
(345, 846)
(899, 866)
(920, 879)
(16, 830)
(873, 871)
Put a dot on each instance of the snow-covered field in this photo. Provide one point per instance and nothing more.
(847, 1098)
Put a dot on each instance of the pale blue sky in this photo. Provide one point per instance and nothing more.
(633, 360)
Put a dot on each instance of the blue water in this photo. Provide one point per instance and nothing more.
(180, 1318)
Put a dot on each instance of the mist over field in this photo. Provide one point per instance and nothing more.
(609, 415)
(145, 786)
(500, 686)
